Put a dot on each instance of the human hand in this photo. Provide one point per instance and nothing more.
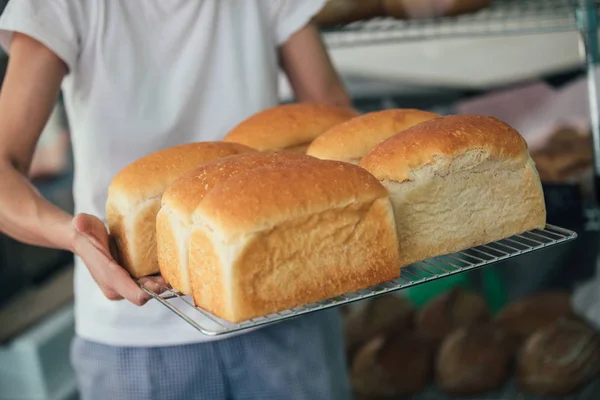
(92, 243)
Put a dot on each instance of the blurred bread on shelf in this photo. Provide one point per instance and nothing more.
(457, 182)
(134, 198)
(289, 127)
(352, 140)
(566, 156)
(379, 316)
(474, 359)
(451, 310)
(390, 366)
(417, 9)
(523, 317)
(342, 12)
(560, 358)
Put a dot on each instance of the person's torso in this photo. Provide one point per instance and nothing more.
(152, 74)
(157, 73)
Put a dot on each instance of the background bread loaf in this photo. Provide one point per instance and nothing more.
(290, 127)
(378, 316)
(474, 360)
(525, 316)
(416, 9)
(392, 366)
(351, 140)
(341, 12)
(559, 358)
(451, 310)
(134, 199)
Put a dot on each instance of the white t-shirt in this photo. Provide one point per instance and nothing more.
(145, 75)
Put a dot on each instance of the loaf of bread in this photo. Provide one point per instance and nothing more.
(351, 140)
(392, 366)
(474, 360)
(289, 127)
(560, 358)
(417, 9)
(449, 311)
(174, 219)
(278, 236)
(456, 182)
(341, 12)
(379, 316)
(134, 199)
(523, 317)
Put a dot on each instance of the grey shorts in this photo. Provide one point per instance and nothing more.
(300, 359)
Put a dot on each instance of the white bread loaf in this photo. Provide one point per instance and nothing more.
(174, 219)
(351, 140)
(274, 237)
(457, 182)
(134, 199)
(289, 127)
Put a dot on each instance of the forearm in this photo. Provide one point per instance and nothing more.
(27, 217)
(311, 73)
(29, 92)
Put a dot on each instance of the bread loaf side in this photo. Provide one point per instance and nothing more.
(134, 199)
(174, 219)
(456, 182)
(279, 236)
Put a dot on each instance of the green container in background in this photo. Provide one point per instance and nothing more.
(492, 287)
(423, 293)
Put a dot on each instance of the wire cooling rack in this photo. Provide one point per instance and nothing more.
(502, 17)
(426, 271)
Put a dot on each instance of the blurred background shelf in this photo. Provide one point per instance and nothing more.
(503, 17)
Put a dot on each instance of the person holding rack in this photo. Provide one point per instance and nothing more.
(139, 76)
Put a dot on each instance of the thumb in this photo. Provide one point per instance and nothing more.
(91, 226)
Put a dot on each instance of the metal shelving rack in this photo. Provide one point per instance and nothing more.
(502, 18)
(418, 273)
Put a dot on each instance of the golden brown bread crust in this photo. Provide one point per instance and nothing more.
(269, 279)
(186, 192)
(397, 158)
(237, 207)
(277, 236)
(449, 311)
(135, 241)
(416, 9)
(149, 176)
(474, 360)
(525, 316)
(340, 12)
(353, 139)
(287, 126)
(134, 198)
(181, 198)
(560, 358)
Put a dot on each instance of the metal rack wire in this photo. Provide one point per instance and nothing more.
(412, 275)
(503, 17)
